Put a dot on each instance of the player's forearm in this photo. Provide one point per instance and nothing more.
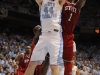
(45, 67)
(36, 39)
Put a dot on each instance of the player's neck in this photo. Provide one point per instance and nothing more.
(28, 54)
(71, 1)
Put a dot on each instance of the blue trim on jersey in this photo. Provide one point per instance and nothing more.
(59, 61)
(60, 18)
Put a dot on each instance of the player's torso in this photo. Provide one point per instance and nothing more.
(24, 63)
(70, 15)
(50, 15)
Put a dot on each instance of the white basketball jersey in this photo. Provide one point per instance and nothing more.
(50, 15)
(74, 69)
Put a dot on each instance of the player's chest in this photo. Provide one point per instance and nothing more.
(68, 8)
(26, 60)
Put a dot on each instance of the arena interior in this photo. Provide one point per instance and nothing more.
(19, 17)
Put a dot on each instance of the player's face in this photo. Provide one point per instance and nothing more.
(28, 49)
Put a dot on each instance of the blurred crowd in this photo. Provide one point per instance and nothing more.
(88, 58)
(10, 46)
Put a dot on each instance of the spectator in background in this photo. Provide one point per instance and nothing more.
(84, 71)
(1, 71)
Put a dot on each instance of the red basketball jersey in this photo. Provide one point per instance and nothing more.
(23, 64)
(70, 15)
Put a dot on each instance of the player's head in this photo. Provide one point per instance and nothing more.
(36, 29)
(28, 49)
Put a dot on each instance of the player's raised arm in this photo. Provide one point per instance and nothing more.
(61, 2)
(81, 3)
(37, 32)
(39, 2)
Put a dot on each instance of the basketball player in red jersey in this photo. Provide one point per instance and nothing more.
(23, 61)
(70, 15)
(24, 58)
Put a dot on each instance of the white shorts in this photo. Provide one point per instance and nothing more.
(61, 69)
(49, 42)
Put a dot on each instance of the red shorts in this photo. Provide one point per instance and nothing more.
(68, 47)
(68, 53)
(19, 73)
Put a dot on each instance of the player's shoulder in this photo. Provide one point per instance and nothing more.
(21, 54)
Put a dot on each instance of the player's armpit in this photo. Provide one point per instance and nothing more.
(61, 2)
(19, 57)
(80, 3)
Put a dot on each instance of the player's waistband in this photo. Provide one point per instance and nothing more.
(54, 30)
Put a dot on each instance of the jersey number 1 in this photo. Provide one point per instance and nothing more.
(70, 17)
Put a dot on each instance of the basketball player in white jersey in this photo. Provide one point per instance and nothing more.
(51, 39)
